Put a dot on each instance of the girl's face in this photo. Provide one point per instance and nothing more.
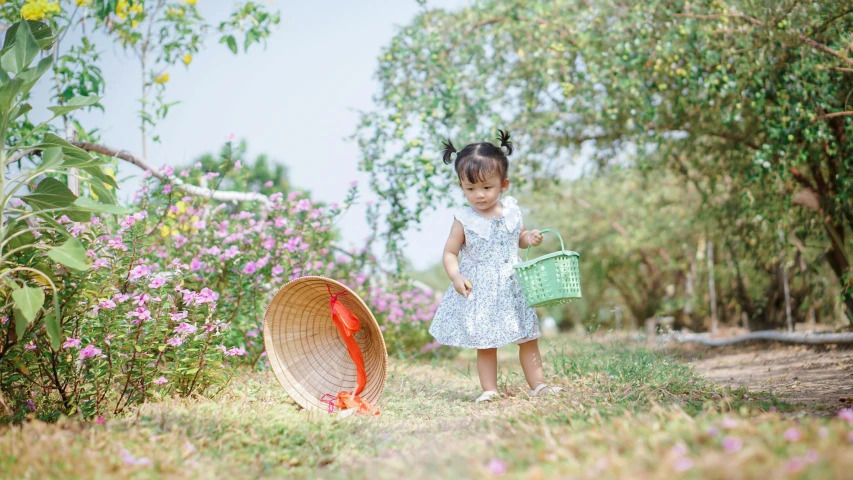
(485, 194)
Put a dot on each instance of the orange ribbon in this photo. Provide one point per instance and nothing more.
(347, 324)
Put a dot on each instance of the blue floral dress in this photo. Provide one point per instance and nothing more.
(494, 313)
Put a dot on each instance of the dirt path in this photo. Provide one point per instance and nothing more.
(822, 377)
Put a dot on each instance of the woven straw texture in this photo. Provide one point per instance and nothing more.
(305, 350)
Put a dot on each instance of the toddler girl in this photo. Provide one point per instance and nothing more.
(484, 308)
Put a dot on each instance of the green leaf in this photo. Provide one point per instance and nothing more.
(99, 173)
(40, 31)
(8, 92)
(25, 49)
(51, 158)
(52, 324)
(104, 195)
(29, 300)
(72, 254)
(231, 42)
(32, 75)
(21, 322)
(75, 155)
(50, 193)
(192, 371)
(24, 239)
(89, 205)
(75, 103)
(21, 109)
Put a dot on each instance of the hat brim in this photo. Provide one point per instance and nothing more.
(305, 350)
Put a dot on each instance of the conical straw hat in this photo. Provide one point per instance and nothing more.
(305, 349)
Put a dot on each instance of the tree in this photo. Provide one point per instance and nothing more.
(744, 97)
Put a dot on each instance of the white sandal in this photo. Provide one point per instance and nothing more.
(487, 396)
(544, 389)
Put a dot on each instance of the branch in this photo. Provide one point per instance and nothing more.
(23, 153)
(196, 191)
(803, 338)
(751, 20)
(832, 115)
(808, 41)
(837, 69)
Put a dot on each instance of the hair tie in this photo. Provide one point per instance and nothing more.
(449, 152)
(505, 143)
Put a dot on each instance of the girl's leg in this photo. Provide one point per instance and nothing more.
(531, 363)
(487, 368)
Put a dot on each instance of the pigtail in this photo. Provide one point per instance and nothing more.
(449, 150)
(505, 143)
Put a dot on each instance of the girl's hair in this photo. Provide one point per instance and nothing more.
(477, 160)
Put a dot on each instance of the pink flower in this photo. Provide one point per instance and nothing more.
(732, 444)
(167, 189)
(176, 316)
(793, 435)
(4, 320)
(811, 456)
(728, 423)
(157, 282)
(72, 343)
(678, 450)
(167, 170)
(277, 270)
(795, 465)
(139, 271)
(30, 347)
(250, 268)
(116, 243)
(496, 467)
(130, 460)
(230, 137)
(141, 314)
(238, 164)
(236, 351)
(64, 219)
(141, 299)
(252, 333)
(682, 464)
(100, 420)
(268, 183)
(89, 352)
(195, 264)
(160, 381)
(100, 263)
(106, 304)
(302, 206)
(353, 184)
(206, 295)
(175, 341)
(185, 328)
(846, 414)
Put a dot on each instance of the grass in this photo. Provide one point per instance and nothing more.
(627, 412)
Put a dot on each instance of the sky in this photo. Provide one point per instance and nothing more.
(297, 101)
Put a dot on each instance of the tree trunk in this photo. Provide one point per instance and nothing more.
(712, 292)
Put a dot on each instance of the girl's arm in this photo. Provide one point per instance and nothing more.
(451, 258)
(529, 238)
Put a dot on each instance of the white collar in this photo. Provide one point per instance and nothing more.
(482, 226)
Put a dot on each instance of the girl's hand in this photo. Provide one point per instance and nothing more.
(462, 286)
(534, 238)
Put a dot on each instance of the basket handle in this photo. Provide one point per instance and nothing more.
(562, 245)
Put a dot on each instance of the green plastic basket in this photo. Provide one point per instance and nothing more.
(551, 279)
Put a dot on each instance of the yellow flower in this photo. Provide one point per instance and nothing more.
(121, 9)
(134, 23)
(190, 2)
(136, 8)
(161, 79)
(164, 231)
(187, 59)
(82, 3)
(39, 9)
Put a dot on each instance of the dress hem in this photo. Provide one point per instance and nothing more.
(516, 341)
